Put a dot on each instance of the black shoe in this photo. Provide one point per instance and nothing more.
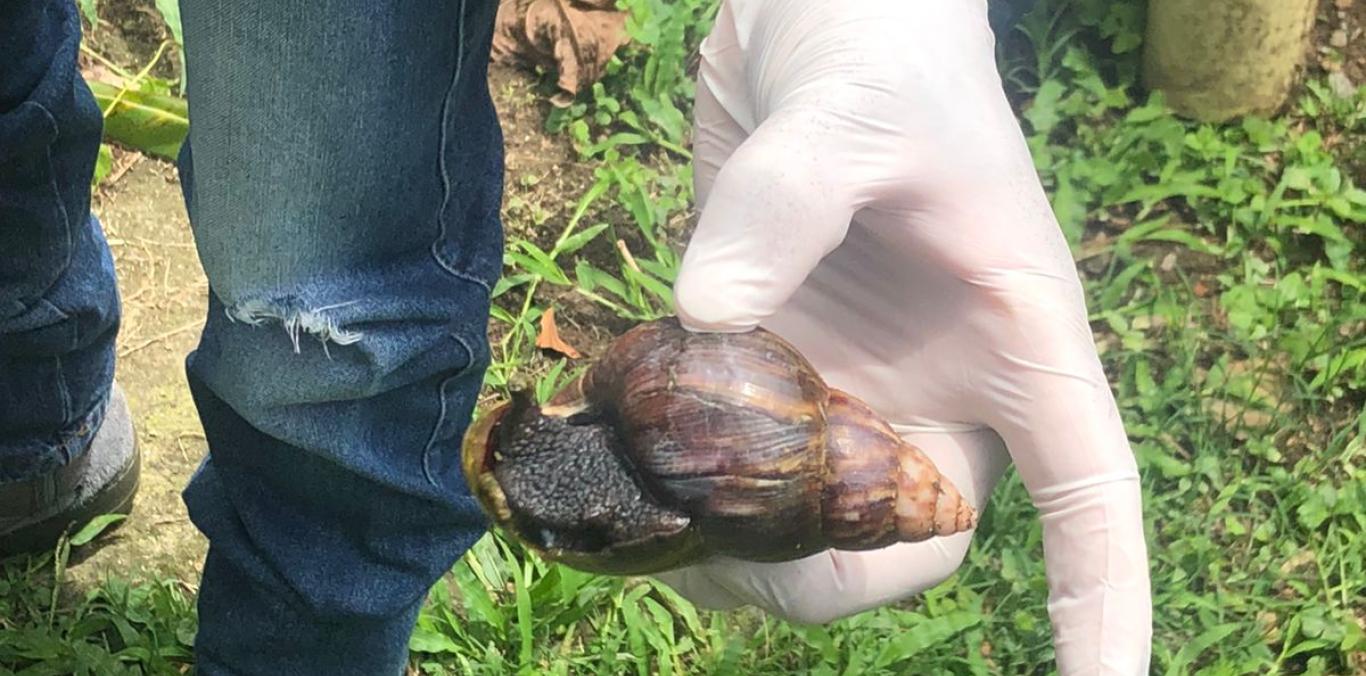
(34, 513)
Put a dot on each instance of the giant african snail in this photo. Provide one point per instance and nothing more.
(675, 445)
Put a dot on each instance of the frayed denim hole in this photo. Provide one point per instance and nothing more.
(296, 319)
(474, 360)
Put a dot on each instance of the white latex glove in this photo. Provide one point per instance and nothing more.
(867, 193)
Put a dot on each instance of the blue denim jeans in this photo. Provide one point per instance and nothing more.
(343, 180)
(59, 307)
(343, 176)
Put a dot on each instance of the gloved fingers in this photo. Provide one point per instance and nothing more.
(716, 135)
(1044, 390)
(794, 138)
(779, 204)
(1100, 598)
(722, 111)
(1042, 387)
(835, 584)
(696, 584)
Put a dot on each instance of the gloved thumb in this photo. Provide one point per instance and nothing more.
(778, 205)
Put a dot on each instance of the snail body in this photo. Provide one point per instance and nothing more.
(676, 445)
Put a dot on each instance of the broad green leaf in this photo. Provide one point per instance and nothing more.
(508, 282)
(170, 12)
(537, 261)
(925, 634)
(154, 124)
(103, 164)
(525, 616)
(88, 8)
(475, 597)
(1192, 649)
(579, 240)
(682, 606)
(1319, 224)
(591, 277)
(425, 640)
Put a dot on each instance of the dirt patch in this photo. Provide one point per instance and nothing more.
(545, 178)
(1340, 39)
(543, 175)
(163, 290)
(129, 33)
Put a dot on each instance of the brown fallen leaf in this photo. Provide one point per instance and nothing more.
(575, 38)
(549, 338)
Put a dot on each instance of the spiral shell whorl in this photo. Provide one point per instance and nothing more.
(879, 489)
(719, 426)
(740, 431)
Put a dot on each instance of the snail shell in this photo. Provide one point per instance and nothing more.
(710, 443)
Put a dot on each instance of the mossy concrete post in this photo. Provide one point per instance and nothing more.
(1218, 59)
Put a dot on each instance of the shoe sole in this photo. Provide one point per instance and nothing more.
(116, 497)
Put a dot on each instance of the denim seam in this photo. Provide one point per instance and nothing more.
(64, 392)
(441, 417)
(56, 189)
(447, 191)
(447, 194)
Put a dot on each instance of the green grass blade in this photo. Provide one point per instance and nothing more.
(95, 527)
(525, 617)
(924, 634)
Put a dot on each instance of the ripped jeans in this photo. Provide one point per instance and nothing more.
(343, 176)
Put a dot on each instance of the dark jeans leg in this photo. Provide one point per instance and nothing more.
(59, 306)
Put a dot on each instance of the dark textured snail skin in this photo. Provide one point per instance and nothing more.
(737, 433)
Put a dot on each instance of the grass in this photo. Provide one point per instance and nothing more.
(1225, 267)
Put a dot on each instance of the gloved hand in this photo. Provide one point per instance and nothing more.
(867, 194)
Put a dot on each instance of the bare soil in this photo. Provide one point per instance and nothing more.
(1340, 39)
(163, 291)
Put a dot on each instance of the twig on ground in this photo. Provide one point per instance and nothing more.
(160, 337)
(626, 253)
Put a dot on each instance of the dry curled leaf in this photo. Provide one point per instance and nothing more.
(575, 38)
(549, 338)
